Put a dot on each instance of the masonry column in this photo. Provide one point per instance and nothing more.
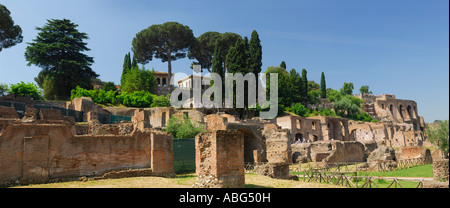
(161, 152)
(220, 154)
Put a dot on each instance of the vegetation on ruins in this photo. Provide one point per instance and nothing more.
(58, 50)
(10, 34)
(26, 89)
(365, 89)
(168, 42)
(98, 96)
(3, 89)
(437, 133)
(138, 79)
(183, 128)
(347, 89)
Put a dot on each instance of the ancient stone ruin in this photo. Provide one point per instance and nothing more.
(46, 144)
(54, 147)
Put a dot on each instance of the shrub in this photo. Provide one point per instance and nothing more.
(182, 128)
(3, 89)
(161, 101)
(300, 109)
(139, 99)
(26, 89)
(97, 96)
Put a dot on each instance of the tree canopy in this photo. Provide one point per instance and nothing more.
(169, 41)
(347, 89)
(10, 34)
(58, 50)
(203, 49)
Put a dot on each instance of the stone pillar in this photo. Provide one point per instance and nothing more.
(220, 154)
(161, 152)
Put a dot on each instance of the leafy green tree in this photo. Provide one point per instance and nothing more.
(437, 133)
(109, 86)
(168, 42)
(58, 50)
(139, 79)
(300, 109)
(323, 86)
(333, 95)
(203, 49)
(284, 93)
(347, 105)
(25, 89)
(294, 85)
(10, 34)
(365, 89)
(347, 89)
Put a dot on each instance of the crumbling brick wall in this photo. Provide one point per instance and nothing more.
(8, 112)
(220, 153)
(36, 152)
(440, 169)
(278, 146)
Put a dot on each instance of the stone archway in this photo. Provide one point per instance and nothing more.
(400, 110)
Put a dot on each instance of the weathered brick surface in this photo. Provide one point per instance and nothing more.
(440, 169)
(220, 153)
(36, 152)
(8, 112)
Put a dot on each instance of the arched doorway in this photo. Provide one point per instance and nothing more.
(408, 109)
(400, 109)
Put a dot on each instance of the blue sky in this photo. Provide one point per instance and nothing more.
(396, 47)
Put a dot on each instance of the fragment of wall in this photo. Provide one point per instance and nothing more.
(38, 152)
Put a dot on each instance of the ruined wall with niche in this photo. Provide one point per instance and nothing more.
(35, 151)
(393, 135)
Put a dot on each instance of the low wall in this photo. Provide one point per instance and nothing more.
(35, 153)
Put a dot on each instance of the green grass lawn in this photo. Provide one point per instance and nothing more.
(418, 171)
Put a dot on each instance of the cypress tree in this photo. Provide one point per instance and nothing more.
(237, 58)
(283, 65)
(134, 62)
(304, 87)
(255, 50)
(323, 86)
(125, 67)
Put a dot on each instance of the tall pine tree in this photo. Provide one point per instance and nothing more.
(323, 86)
(59, 50)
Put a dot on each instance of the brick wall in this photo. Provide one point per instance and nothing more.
(35, 153)
(220, 153)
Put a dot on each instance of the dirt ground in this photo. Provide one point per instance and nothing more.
(180, 181)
